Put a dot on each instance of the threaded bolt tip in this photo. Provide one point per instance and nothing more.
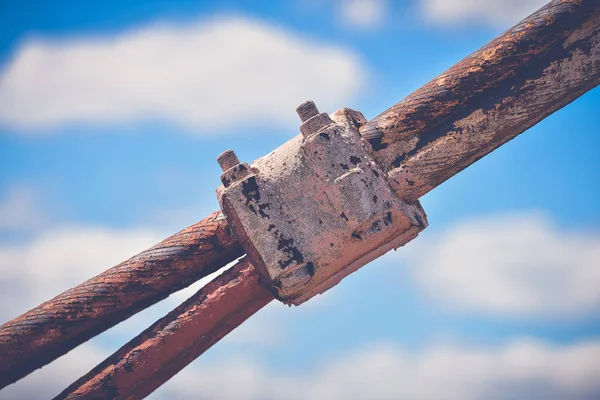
(227, 159)
(307, 110)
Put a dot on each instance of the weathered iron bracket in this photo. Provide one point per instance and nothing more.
(317, 208)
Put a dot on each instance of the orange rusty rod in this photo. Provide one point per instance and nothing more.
(537, 67)
(55, 327)
(171, 343)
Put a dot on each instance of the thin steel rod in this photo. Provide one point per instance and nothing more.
(542, 64)
(52, 329)
(171, 343)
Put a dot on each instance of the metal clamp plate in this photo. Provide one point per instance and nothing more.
(316, 209)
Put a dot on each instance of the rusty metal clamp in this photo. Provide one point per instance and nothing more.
(317, 208)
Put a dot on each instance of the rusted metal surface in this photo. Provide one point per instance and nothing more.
(50, 330)
(317, 208)
(171, 343)
(504, 88)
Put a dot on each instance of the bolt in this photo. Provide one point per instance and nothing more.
(307, 110)
(227, 159)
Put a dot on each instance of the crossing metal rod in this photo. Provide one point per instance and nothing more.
(171, 343)
(510, 84)
(55, 327)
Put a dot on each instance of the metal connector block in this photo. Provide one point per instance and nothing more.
(317, 208)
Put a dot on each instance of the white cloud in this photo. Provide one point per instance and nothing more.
(511, 265)
(213, 74)
(20, 210)
(502, 13)
(363, 14)
(521, 369)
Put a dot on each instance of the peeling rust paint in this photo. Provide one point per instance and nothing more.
(355, 160)
(250, 190)
(287, 246)
(50, 330)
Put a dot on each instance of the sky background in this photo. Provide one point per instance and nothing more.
(112, 114)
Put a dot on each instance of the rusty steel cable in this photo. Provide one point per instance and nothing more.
(53, 328)
(542, 64)
(157, 354)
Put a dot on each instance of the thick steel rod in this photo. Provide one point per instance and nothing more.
(52, 329)
(501, 90)
(171, 343)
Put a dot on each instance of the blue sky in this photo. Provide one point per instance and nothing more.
(112, 114)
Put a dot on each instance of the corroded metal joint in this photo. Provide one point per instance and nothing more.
(317, 208)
